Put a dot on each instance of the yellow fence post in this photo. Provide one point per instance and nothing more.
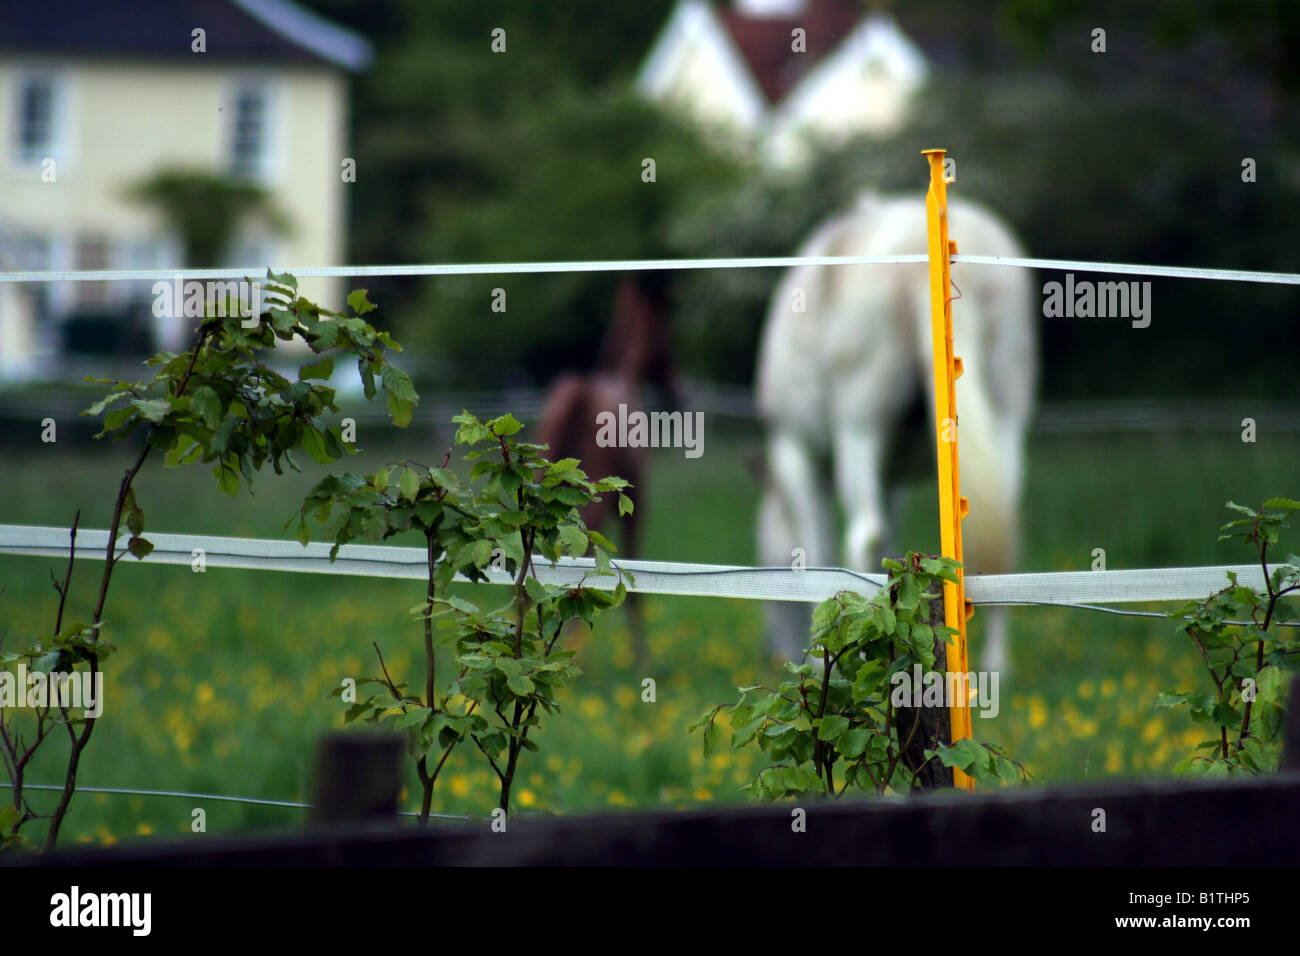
(952, 506)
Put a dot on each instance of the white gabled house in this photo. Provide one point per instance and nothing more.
(696, 66)
(776, 77)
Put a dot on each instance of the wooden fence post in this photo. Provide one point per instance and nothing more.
(935, 722)
(358, 778)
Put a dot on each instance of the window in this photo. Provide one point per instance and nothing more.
(251, 251)
(37, 115)
(28, 253)
(137, 253)
(91, 254)
(250, 132)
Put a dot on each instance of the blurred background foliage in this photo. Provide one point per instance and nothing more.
(1131, 155)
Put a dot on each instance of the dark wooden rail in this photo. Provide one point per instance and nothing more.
(1252, 822)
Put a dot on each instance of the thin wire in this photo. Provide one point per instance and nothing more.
(627, 265)
(667, 572)
(1115, 610)
(463, 269)
(1128, 268)
(211, 796)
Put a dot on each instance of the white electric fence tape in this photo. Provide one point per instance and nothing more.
(704, 580)
(631, 265)
(1064, 588)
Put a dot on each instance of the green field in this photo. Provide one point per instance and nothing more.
(221, 681)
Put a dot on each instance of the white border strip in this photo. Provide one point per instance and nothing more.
(652, 577)
(629, 265)
(1126, 268)
(464, 269)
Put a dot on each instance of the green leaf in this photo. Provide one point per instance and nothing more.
(139, 547)
(364, 369)
(743, 734)
(477, 553)
(412, 718)
(427, 511)
(359, 303)
(574, 540)
(964, 754)
(520, 685)
(399, 383)
(103, 403)
(282, 320)
(704, 718)
(410, 484)
(134, 516)
(119, 417)
(799, 780)
(1224, 715)
(316, 370)
(574, 497)
(314, 444)
(536, 589)
(154, 409)
(445, 479)
(225, 434)
(460, 604)
(287, 280)
(227, 476)
(207, 405)
(712, 735)
(400, 410)
(507, 424)
(832, 726)
(940, 567)
(854, 742)
(909, 593)
(1288, 504)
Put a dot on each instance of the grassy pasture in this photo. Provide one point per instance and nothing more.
(221, 681)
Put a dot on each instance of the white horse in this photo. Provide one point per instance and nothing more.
(846, 351)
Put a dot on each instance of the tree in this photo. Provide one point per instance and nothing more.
(207, 210)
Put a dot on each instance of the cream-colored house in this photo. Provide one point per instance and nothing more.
(95, 97)
(775, 78)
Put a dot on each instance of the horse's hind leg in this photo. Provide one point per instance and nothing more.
(997, 660)
(859, 460)
(786, 621)
(793, 515)
(897, 499)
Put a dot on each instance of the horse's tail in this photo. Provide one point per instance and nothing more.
(995, 333)
(990, 444)
(989, 459)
